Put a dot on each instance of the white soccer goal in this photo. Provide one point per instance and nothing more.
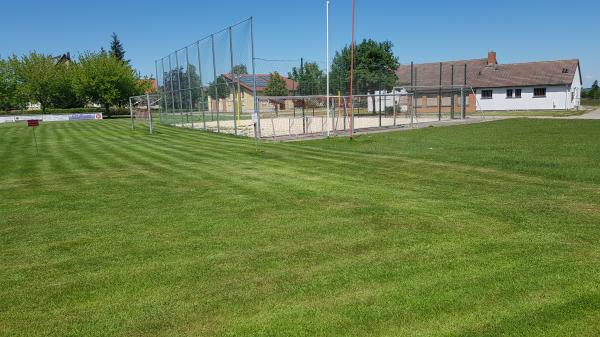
(140, 109)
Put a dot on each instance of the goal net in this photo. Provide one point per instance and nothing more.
(140, 108)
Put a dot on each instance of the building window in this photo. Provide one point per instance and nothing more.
(517, 93)
(509, 93)
(539, 92)
(486, 94)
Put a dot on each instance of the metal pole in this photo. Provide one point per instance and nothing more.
(352, 73)
(149, 103)
(172, 88)
(131, 114)
(189, 77)
(394, 104)
(201, 103)
(452, 93)
(330, 128)
(214, 59)
(158, 89)
(440, 95)
(412, 67)
(234, 96)
(302, 94)
(256, 107)
(37, 151)
(179, 87)
(464, 98)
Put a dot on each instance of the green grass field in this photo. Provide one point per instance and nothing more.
(482, 230)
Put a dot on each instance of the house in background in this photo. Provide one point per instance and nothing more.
(246, 85)
(64, 58)
(545, 85)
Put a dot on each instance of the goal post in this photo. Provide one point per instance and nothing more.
(140, 110)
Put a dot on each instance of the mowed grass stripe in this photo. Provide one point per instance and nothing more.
(189, 233)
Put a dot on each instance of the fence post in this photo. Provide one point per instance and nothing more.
(462, 97)
(149, 103)
(131, 114)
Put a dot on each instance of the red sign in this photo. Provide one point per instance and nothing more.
(33, 122)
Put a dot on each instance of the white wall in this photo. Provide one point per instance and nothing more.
(576, 89)
(557, 97)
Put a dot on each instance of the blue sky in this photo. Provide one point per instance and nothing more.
(518, 31)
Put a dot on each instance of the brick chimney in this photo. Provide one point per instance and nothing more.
(492, 59)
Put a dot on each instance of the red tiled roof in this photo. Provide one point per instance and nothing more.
(482, 75)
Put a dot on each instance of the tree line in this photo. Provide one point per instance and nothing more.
(104, 77)
(593, 92)
(374, 69)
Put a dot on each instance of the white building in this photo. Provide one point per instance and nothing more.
(546, 85)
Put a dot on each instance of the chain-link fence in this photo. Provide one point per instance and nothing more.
(299, 116)
(210, 84)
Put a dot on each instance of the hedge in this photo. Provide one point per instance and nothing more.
(53, 111)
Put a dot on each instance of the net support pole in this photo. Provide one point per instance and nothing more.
(464, 99)
(158, 90)
(452, 93)
(172, 90)
(201, 89)
(440, 96)
(189, 89)
(179, 87)
(234, 96)
(329, 116)
(256, 107)
(214, 60)
(351, 119)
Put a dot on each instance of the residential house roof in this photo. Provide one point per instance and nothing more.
(487, 73)
(64, 58)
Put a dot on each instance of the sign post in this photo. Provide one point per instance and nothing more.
(33, 123)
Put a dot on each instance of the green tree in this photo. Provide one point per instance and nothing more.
(11, 97)
(221, 85)
(116, 48)
(105, 80)
(276, 85)
(240, 69)
(595, 92)
(37, 74)
(64, 94)
(375, 67)
(311, 80)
